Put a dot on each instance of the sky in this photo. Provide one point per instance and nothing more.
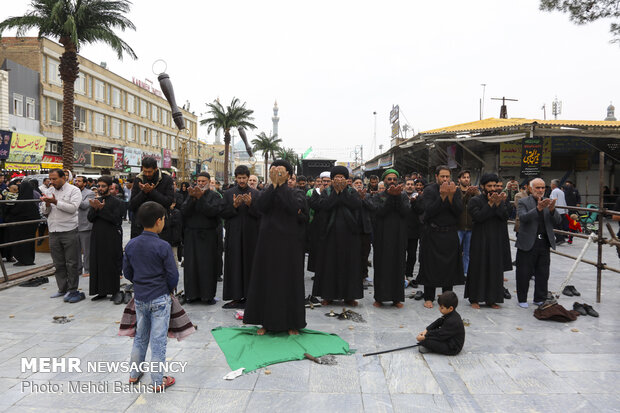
(331, 64)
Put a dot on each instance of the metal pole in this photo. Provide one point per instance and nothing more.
(599, 260)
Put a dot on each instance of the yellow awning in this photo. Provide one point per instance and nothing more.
(504, 124)
(22, 166)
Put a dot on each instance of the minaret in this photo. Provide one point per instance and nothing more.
(610, 112)
(275, 118)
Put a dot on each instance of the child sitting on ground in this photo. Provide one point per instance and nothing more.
(446, 335)
(150, 264)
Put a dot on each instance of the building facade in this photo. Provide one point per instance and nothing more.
(111, 113)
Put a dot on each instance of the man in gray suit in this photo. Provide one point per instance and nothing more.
(537, 217)
(84, 226)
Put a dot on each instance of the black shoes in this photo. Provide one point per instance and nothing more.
(235, 304)
(98, 297)
(127, 297)
(418, 295)
(211, 301)
(312, 301)
(507, 295)
(585, 309)
(117, 298)
(571, 291)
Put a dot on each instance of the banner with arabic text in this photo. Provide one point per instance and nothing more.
(26, 148)
(531, 157)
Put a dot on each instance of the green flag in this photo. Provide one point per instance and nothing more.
(305, 155)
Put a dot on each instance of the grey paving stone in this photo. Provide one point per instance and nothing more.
(168, 402)
(377, 403)
(295, 401)
(284, 377)
(405, 403)
(552, 403)
(408, 373)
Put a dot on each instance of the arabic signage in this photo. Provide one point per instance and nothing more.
(118, 158)
(167, 158)
(81, 154)
(510, 153)
(26, 148)
(156, 156)
(51, 162)
(22, 166)
(531, 156)
(132, 156)
(5, 143)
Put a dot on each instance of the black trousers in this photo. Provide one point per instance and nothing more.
(564, 227)
(429, 292)
(438, 346)
(533, 262)
(365, 253)
(412, 250)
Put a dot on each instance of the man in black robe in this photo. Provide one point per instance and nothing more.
(316, 222)
(390, 241)
(242, 219)
(106, 243)
(489, 212)
(414, 225)
(440, 251)
(276, 296)
(366, 218)
(338, 272)
(152, 184)
(201, 215)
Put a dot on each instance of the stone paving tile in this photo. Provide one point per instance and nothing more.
(511, 361)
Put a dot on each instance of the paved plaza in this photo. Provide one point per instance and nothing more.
(511, 361)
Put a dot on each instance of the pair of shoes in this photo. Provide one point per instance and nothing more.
(75, 296)
(585, 309)
(418, 295)
(523, 305)
(507, 295)
(58, 294)
(98, 297)
(537, 302)
(571, 291)
(211, 301)
(423, 350)
(21, 264)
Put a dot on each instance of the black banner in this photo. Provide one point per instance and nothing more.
(531, 157)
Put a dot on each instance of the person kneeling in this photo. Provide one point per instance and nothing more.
(446, 335)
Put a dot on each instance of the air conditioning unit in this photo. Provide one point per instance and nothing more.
(82, 126)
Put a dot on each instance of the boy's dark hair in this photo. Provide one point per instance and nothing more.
(149, 212)
(448, 299)
(60, 172)
(442, 168)
(242, 170)
(149, 162)
(301, 178)
(374, 177)
(205, 174)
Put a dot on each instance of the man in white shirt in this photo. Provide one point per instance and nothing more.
(560, 201)
(60, 204)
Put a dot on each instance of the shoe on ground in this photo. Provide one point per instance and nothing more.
(58, 294)
(76, 296)
(507, 295)
(232, 304)
(537, 302)
(65, 298)
(117, 298)
(30, 283)
(568, 291)
(126, 297)
(579, 308)
(523, 305)
(98, 297)
(418, 295)
(423, 350)
(211, 301)
(574, 290)
(591, 311)
(166, 382)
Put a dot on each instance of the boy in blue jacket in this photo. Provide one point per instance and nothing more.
(150, 265)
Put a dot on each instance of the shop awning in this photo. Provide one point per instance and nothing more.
(12, 166)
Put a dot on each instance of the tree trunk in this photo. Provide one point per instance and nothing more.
(226, 148)
(69, 69)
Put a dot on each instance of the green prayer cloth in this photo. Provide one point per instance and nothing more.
(244, 348)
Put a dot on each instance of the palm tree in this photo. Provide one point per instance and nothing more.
(74, 22)
(233, 116)
(268, 145)
(290, 155)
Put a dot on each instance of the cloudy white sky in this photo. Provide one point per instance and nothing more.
(331, 64)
